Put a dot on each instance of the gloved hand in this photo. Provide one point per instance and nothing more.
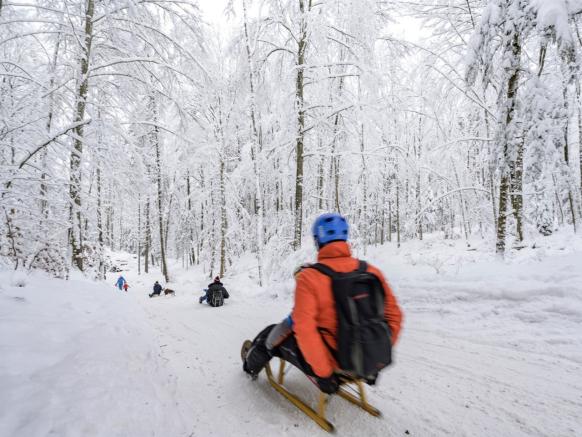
(372, 380)
(328, 385)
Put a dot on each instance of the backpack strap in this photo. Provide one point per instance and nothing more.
(322, 268)
(328, 271)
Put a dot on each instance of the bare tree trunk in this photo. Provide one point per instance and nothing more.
(100, 238)
(301, 46)
(579, 132)
(567, 158)
(320, 179)
(160, 205)
(99, 208)
(364, 224)
(390, 221)
(139, 234)
(108, 226)
(11, 237)
(223, 223)
(516, 170)
(256, 149)
(504, 186)
(148, 238)
(167, 222)
(490, 170)
(385, 200)
(191, 250)
(212, 235)
(334, 169)
(561, 218)
(76, 226)
(397, 211)
(461, 203)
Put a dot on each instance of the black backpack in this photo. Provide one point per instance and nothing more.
(216, 299)
(364, 344)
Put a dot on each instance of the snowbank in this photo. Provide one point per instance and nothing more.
(77, 360)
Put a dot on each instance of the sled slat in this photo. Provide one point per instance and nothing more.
(319, 416)
(306, 409)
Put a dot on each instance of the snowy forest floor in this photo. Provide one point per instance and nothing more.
(488, 348)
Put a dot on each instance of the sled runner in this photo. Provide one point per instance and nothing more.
(350, 389)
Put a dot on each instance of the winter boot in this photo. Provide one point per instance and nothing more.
(246, 347)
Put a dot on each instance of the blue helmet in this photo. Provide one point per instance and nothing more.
(329, 227)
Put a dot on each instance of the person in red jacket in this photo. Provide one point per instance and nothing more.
(307, 337)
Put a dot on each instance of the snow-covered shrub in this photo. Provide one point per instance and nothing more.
(50, 260)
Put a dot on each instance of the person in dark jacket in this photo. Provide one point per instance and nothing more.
(157, 289)
(212, 287)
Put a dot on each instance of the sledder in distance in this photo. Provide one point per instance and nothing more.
(215, 293)
(340, 334)
(157, 291)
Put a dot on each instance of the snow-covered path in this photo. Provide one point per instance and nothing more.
(481, 354)
(440, 385)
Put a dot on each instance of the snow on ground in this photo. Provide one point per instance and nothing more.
(488, 348)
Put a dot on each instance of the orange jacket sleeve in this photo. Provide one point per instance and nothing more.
(304, 317)
(392, 311)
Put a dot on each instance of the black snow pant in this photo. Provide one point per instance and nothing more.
(259, 354)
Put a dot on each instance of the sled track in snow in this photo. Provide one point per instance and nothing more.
(439, 385)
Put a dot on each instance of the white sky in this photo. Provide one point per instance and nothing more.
(406, 28)
(214, 11)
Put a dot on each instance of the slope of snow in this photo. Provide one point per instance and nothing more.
(488, 347)
(79, 359)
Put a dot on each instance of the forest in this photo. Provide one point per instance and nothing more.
(138, 126)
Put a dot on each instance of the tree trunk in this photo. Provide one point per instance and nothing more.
(148, 238)
(223, 222)
(100, 239)
(579, 133)
(299, 102)
(99, 208)
(191, 226)
(11, 236)
(334, 171)
(139, 234)
(514, 47)
(76, 227)
(160, 205)
(568, 175)
(364, 223)
(385, 201)
(256, 148)
(464, 211)
(320, 178)
(397, 211)
(502, 217)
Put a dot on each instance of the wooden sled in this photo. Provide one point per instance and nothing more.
(318, 416)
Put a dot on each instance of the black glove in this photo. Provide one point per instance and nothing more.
(372, 380)
(328, 385)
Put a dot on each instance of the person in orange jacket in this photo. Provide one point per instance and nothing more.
(307, 337)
